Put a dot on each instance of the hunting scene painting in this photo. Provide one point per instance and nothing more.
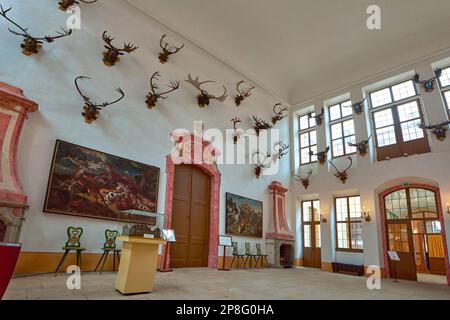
(89, 183)
(244, 216)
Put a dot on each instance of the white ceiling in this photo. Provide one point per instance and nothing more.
(302, 48)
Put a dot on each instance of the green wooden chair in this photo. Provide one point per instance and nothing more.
(109, 246)
(249, 256)
(73, 244)
(261, 257)
(237, 256)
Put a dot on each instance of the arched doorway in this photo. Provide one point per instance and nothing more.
(191, 145)
(2, 230)
(412, 225)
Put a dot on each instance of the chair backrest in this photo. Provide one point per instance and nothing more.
(111, 236)
(235, 248)
(248, 250)
(74, 236)
(258, 249)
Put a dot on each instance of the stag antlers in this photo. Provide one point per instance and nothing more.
(112, 55)
(91, 110)
(439, 130)
(361, 146)
(204, 97)
(167, 50)
(342, 175)
(281, 149)
(261, 164)
(32, 45)
(153, 96)
(242, 93)
(305, 181)
(65, 4)
(280, 113)
(236, 134)
(428, 85)
(318, 117)
(261, 125)
(321, 156)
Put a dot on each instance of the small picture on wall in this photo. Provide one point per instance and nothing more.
(89, 183)
(244, 216)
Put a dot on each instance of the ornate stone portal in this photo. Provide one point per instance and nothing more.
(14, 108)
(280, 243)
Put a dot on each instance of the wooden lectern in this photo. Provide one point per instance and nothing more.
(137, 265)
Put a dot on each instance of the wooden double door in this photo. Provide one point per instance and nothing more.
(413, 230)
(311, 234)
(190, 217)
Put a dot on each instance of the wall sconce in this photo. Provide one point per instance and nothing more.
(448, 207)
(323, 219)
(366, 214)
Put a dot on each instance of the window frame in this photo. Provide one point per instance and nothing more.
(307, 131)
(348, 223)
(341, 120)
(443, 90)
(397, 149)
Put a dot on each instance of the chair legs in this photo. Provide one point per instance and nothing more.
(100, 261)
(103, 259)
(62, 261)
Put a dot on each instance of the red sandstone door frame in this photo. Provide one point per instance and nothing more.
(214, 209)
(383, 223)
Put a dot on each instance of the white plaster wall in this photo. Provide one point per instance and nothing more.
(368, 177)
(127, 129)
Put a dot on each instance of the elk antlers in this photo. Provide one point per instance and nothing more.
(358, 106)
(112, 55)
(361, 146)
(261, 125)
(261, 164)
(167, 50)
(242, 93)
(321, 156)
(281, 149)
(439, 130)
(305, 181)
(428, 85)
(280, 113)
(32, 45)
(236, 134)
(65, 4)
(204, 97)
(91, 110)
(342, 175)
(153, 96)
(318, 117)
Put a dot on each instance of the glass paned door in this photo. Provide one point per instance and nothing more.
(311, 234)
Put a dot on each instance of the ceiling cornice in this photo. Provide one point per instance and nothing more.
(211, 53)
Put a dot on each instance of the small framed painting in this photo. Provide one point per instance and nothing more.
(169, 235)
(244, 216)
(225, 241)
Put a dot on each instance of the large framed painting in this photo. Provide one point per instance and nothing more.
(89, 183)
(244, 217)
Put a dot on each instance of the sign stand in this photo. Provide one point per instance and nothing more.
(169, 236)
(225, 241)
(393, 256)
(223, 260)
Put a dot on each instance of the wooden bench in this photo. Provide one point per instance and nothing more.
(348, 268)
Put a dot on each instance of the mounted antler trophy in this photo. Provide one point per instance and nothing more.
(280, 113)
(112, 56)
(281, 149)
(361, 146)
(204, 97)
(32, 45)
(261, 162)
(428, 85)
(342, 175)
(261, 125)
(318, 117)
(65, 4)
(91, 110)
(236, 134)
(167, 50)
(358, 107)
(242, 93)
(321, 156)
(305, 181)
(439, 130)
(153, 96)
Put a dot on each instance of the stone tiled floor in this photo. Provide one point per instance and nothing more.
(299, 283)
